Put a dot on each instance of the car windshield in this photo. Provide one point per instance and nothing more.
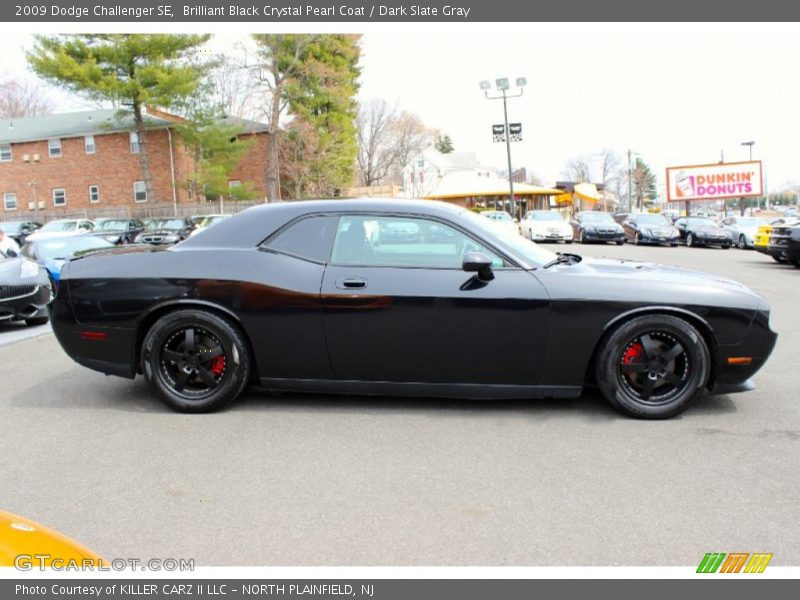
(112, 224)
(597, 217)
(60, 226)
(700, 221)
(56, 249)
(157, 224)
(11, 227)
(498, 216)
(536, 255)
(651, 220)
(545, 216)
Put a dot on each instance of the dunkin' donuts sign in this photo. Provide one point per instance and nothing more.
(714, 182)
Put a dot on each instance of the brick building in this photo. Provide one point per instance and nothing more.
(89, 161)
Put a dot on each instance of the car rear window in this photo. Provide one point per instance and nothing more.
(310, 238)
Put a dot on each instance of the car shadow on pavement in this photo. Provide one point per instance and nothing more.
(78, 389)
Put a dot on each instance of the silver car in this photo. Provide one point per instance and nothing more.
(743, 229)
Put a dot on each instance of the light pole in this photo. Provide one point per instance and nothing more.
(503, 86)
(630, 179)
(750, 149)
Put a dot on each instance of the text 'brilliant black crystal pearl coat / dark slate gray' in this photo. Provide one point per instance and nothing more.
(404, 297)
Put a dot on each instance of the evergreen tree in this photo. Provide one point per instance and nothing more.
(133, 70)
(444, 144)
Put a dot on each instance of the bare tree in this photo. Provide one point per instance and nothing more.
(23, 99)
(412, 137)
(377, 147)
(577, 168)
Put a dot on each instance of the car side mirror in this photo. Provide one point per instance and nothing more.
(478, 262)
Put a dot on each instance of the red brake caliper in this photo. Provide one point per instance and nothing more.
(218, 365)
(633, 354)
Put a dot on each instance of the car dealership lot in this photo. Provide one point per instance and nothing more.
(279, 480)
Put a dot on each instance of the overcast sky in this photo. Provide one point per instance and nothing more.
(674, 98)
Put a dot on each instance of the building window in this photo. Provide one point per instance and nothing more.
(139, 191)
(134, 142)
(10, 200)
(59, 197)
(54, 148)
(88, 143)
(5, 152)
(94, 194)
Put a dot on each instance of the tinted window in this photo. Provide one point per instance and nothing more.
(309, 239)
(402, 242)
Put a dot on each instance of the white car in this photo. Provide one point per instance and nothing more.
(61, 228)
(502, 219)
(545, 226)
(743, 229)
(207, 222)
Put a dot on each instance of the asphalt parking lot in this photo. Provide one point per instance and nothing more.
(312, 480)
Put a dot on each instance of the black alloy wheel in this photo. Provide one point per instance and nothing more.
(653, 366)
(197, 361)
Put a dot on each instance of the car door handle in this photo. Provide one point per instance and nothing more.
(351, 283)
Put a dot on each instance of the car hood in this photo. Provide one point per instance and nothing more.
(550, 225)
(11, 272)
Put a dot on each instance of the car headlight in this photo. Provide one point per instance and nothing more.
(28, 269)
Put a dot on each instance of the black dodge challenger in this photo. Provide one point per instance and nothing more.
(307, 296)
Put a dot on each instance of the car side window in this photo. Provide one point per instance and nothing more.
(375, 241)
(309, 239)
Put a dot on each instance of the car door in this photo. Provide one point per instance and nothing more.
(402, 309)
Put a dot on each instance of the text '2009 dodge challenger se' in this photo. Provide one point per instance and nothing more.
(322, 297)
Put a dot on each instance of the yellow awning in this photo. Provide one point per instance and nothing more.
(470, 185)
(588, 192)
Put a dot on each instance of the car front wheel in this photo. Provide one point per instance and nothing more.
(689, 240)
(742, 242)
(653, 366)
(196, 360)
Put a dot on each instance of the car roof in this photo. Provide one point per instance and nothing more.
(250, 227)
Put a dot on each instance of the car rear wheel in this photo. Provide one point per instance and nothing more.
(581, 237)
(690, 240)
(637, 239)
(653, 366)
(741, 243)
(197, 361)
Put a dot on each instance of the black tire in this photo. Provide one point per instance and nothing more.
(568, 241)
(796, 263)
(186, 369)
(653, 366)
(741, 242)
(619, 242)
(690, 240)
(581, 237)
(778, 259)
(726, 247)
(37, 321)
(636, 239)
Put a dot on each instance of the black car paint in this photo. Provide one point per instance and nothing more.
(784, 242)
(126, 235)
(704, 232)
(589, 231)
(528, 332)
(636, 231)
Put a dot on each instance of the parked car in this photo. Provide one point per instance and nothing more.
(743, 229)
(52, 253)
(165, 231)
(61, 228)
(296, 297)
(25, 290)
(206, 222)
(501, 219)
(118, 231)
(702, 231)
(545, 226)
(595, 226)
(648, 228)
(621, 217)
(784, 241)
(761, 241)
(19, 230)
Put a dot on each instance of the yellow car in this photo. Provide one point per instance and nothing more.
(28, 545)
(761, 239)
